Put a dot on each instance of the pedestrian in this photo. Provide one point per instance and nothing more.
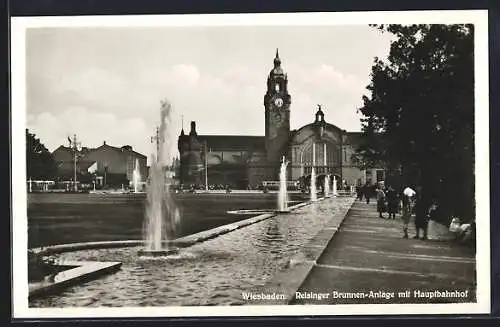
(367, 192)
(406, 214)
(421, 217)
(380, 201)
(359, 192)
(392, 202)
(407, 208)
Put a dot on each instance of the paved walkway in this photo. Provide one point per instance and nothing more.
(368, 261)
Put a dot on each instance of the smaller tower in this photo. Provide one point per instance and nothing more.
(320, 116)
(319, 123)
(193, 129)
(190, 160)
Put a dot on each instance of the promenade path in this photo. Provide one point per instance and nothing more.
(368, 261)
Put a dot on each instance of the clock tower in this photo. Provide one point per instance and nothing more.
(277, 102)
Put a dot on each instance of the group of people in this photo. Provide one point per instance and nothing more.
(405, 202)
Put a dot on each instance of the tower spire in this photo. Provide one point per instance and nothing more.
(182, 122)
(277, 60)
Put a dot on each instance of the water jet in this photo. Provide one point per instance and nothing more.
(314, 196)
(161, 215)
(313, 191)
(283, 191)
(136, 176)
(334, 192)
(327, 185)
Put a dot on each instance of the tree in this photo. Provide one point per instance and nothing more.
(421, 107)
(40, 164)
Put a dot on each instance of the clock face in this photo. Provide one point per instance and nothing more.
(278, 102)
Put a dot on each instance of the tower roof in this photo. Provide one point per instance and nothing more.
(277, 70)
(277, 60)
(320, 116)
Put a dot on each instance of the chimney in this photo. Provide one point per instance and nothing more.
(193, 129)
(104, 143)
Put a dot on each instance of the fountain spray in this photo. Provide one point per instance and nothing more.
(162, 215)
(327, 185)
(136, 176)
(283, 192)
(314, 196)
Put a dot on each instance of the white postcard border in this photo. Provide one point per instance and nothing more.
(19, 192)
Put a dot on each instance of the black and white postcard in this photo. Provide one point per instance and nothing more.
(250, 164)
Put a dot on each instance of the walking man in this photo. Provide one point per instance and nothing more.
(367, 192)
(421, 217)
(392, 202)
(380, 201)
(359, 192)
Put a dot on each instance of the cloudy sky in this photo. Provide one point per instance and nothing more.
(106, 83)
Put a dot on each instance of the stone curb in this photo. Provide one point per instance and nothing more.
(288, 281)
(77, 273)
(184, 241)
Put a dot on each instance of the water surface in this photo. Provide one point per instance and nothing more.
(214, 272)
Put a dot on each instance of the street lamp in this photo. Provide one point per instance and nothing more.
(206, 167)
(74, 144)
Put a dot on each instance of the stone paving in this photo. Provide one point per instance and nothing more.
(368, 261)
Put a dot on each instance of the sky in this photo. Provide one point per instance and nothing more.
(106, 83)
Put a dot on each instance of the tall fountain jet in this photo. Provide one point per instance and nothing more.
(314, 197)
(136, 176)
(327, 185)
(334, 186)
(283, 192)
(161, 214)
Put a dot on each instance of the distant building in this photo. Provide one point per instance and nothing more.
(249, 160)
(109, 164)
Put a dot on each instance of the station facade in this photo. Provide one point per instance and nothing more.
(242, 161)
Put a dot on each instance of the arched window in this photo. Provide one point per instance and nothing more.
(277, 87)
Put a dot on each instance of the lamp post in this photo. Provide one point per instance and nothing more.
(75, 144)
(206, 167)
